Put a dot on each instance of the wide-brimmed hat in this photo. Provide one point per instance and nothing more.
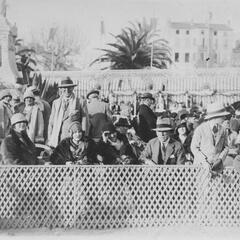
(163, 125)
(65, 83)
(18, 117)
(4, 93)
(122, 122)
(108, 126)
(147, 95)
(215, 110)
(93, 91)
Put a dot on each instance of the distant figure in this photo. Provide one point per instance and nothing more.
(147, 118)
(99, 113)
(5, 113)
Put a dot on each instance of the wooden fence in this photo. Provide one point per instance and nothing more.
(204, 85)
(99, 197)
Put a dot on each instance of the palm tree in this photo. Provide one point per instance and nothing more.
(137, 47)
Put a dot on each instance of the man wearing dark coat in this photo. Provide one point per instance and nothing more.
(147, 118)
(17, 148)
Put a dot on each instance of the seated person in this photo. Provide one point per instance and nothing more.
(114, 148)
(163, 149)
(17, 148)
(76, 149)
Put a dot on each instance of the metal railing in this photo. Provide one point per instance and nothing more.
(97, 197)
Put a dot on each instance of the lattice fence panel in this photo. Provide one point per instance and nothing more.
(97, 197)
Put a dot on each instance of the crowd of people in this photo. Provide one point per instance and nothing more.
(92, 131)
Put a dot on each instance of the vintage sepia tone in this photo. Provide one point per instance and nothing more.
(119, 119)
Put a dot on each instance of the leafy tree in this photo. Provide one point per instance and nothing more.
(138, 46)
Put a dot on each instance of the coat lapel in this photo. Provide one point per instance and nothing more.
(169, 150)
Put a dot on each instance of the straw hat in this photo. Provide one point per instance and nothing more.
(65, 83)
(163, 125)
(215, 110)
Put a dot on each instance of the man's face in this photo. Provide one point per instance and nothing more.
(20, 127)
(163, 136)
(67, 92)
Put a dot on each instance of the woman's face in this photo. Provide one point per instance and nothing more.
(29, 101)
(182, 130)
(77, 135)
(20, 127)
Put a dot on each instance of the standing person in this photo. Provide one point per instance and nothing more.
(210, 142)
(17, 148)
(5, 113)
(44, 107)
(66, 109)
(34, 117)
(147, 118)
(163, 149)
(98, 113)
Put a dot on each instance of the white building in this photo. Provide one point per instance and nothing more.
(200, 44)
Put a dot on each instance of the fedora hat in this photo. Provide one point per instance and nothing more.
(93, 91)
(65, 83)
(147, 95)
(163, 125)
(215, 110)
(122, 122)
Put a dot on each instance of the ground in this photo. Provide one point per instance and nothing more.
(186, 233)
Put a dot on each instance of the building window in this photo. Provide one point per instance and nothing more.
(215, 33)
(187, 32)
(176, 57)
(202, 32)
(187, 57)
(177, 31)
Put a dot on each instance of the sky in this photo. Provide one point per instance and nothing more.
(32, 15)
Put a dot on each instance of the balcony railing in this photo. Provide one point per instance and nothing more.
(97, 197)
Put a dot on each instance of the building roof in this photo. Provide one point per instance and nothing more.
(192, 25)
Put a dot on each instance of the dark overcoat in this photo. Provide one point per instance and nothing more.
(147, 121)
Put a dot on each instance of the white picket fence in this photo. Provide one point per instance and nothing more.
(99, 197)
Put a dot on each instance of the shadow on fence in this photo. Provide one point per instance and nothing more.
(98, 197)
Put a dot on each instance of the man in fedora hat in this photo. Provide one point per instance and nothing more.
(147, 118)
(209, 143)
(98, 113)
(163, 149)
(65, 110)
